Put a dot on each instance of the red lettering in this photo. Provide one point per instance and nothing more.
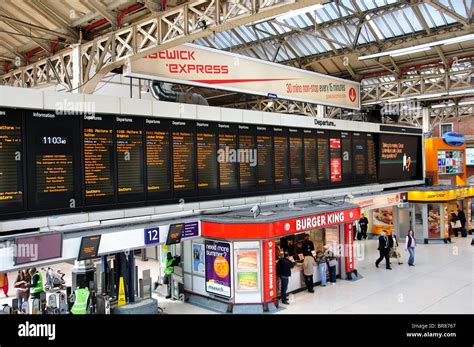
(224, 69)
(182, 68)
(191, 68)
(208, 69)
(173, 68)
(162, 55)
(200, 68)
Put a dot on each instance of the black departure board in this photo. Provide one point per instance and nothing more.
(130, 150)
(323, 155)
(296, 157)
(248, 152)
(346, 148)
(371, 157)
(264, 158)
(207, 165)
(282, 173)
(360, 155)
(335, 154)
(228, 158)
(158, 158)
(53, 146)
(310, 154)
(11, 161)
(182, 137)
(98, 153)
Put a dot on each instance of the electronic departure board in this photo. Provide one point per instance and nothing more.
(346, 147)
(130, 149)
(264, 158)
(158, 158)
(53, 146)
(11, 163)
(98, 154)
(228, 158)
(282, 173)
(310, 154)
(336, 158)
(248, 152)
(359, 148)
(183, 157)
(323, 155)
(371, 158)
(207, 165)
(296, 158)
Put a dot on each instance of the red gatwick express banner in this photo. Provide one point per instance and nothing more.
(349, 244)
(269, 273)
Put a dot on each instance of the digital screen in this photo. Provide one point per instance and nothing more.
(89, 248)
(248, 150)
(469, 156)
(158, 161)
(98, 152)
(371, 157)
(280, 140)
(264, 158)
(53, 146)
(360, 155)
(228, 158)
(296, 158)
(450, 162)
(336, 159)
(310, 154)
(323, 155)
(175, 233)
(346, 148)
(206, 157)
(183, 156)
(398, 156)
(37, 248)
(11, 164)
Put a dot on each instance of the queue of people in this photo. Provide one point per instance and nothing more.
(388, 248)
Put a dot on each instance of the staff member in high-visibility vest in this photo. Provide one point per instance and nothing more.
(36, 285)
(170, 260)
(81, 300)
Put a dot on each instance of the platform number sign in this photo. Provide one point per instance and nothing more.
(152, 235)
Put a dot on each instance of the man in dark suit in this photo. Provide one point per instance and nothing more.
(462, 219)
(385, 243)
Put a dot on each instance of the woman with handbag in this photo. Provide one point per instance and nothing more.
(332, 263)
(410, 244)
(455, 223)
(394, 250)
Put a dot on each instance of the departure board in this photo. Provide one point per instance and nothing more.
(264, 158)
(53, 146)
(310, 150)
(228, 158)
(207, 165)
(360, 155)
(335, 158)
(371, 158)
(183, 157)
(158, 160)
(296, 158)
(11, 164)
(323, 155)
(280, 140)
(346, 147)
(98, 153)
(248, 156)
(130, 150)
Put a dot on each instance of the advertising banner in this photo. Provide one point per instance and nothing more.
(269, 275)
(218, 272)
(336, 160)
(382, 219)
(198, 258)
(349, 241)
(206, 67)
(398, 156)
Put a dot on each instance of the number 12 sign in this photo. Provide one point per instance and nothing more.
(152, 235)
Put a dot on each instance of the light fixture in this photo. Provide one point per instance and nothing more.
(298, 12)
(458, 39)
(463, 103)
(428, 96)
(448, 104)
(465, 91)
(411, 51)
(397, 100)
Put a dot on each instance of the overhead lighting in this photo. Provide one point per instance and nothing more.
(429, 96)
(410, 51)
(397, 100)
(464, 103)
(458, 39)
(466, 91)
(372, 103)
(298, 12)
(449, 104)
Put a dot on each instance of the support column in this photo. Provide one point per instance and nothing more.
(131, 277)
(76, 69)
(425, 113)
(321, 109)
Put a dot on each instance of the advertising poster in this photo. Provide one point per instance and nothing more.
(198, 258)
(269, 268)
(218, 275)
(349, 240)
(247, 281)
(382, 219)
(336, 160)
(398, 156)
(247, 259)
(434, 221)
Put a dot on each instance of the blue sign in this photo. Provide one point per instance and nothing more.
(453, 139)
(152, 235)
(190, 230)
(272, 95)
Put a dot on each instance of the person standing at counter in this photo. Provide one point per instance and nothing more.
(384, 249)
(308, 245)
(308, 272)
(322, 266)
(410, 244)
(332, 263)
(283, 270)
(462, 219)
(364, 223)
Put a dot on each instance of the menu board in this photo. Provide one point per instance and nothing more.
(264, 158)
(280, 140)
(371, 157)
(130, 177)
(360, 155)
(323, 155)
(228, 158)
(53, 145)
(206, 146)
(335, 159)
(346, 147)
(98, 152)
(11, 164)
(158, 161)
(183, 157)
(296, 158)
(310, 150)
(248, 150)
(450, 162)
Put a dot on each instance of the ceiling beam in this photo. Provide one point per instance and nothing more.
(449, 12)
(53, 17)
(104, 11)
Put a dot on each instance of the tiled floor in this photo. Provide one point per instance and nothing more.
(441, 282)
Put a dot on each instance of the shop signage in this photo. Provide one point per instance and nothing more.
(191, 230)
(368, 203)
(218, 271)
(269, 280)
(205, 67)
(186, 230)
(453, 139)
(445, 195)
(152, 235)
(349, 242)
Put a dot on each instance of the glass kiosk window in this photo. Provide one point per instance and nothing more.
(434, 221)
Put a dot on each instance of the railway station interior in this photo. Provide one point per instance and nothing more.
(236, 157)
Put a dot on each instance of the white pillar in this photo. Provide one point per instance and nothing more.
(426, 119)
(76, 68)
(321, 109)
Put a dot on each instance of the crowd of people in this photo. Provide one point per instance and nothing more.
(388, 248)
(28, 283)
